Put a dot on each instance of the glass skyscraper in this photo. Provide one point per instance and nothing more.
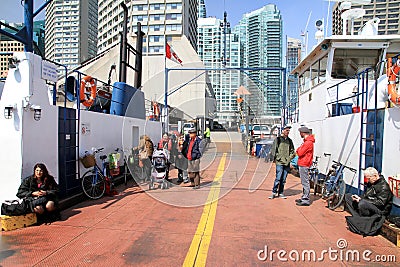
(293, 57)
(218, 48)
(261, 33)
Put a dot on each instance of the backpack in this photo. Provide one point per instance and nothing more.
(365, 226)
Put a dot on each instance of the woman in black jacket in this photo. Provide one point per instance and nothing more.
(41, 189)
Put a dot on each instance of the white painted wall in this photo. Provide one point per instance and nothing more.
(391, 145)
(111, 132)
(25, 142)
(338, 136)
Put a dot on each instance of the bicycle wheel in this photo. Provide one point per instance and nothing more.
(93, 185)
(337, 196)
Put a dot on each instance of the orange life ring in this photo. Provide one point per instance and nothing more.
(87, 80)
(392, 73)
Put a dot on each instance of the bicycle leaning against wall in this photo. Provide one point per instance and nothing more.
(334, 187)
(313, 174)
(95, 181)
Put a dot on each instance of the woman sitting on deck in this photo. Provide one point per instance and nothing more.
(41, 189)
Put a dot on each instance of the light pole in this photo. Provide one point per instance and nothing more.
(226, 26)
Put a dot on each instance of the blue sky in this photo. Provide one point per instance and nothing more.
(294, 12)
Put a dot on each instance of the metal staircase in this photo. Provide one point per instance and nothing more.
(371, 139)
(68, 144)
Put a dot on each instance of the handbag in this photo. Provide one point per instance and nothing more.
(15, 208)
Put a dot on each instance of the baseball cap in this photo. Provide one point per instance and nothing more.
(192, 130)
(287, 126)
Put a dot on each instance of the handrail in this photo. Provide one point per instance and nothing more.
(361, 75)
(341, 164)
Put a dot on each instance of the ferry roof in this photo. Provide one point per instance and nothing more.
(318, 52)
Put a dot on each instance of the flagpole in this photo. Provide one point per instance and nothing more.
(165, 86)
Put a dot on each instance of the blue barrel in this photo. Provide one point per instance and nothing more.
(258, 148)
(121, 96)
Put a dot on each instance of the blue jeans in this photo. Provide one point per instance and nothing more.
(280, 180)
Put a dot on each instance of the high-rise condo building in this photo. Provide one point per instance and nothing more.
(261, 37)
(159, 18)
(388, 12)
(219, 48)
(71, 31)
(293, 57)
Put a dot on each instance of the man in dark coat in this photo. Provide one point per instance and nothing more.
(377, 198)
(192, 151)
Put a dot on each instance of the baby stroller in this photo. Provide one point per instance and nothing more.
(159, 171)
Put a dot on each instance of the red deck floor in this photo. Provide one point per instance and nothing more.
(141, 228)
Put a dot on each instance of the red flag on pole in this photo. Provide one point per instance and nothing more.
(170, 54)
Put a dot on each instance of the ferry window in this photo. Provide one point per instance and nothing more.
(349, 62)
(305, 84)
(314, 73)
(322, 68)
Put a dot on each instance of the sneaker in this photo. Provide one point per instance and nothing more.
(282, 196)
(185, 181)
(272, 196)
(298, 200)
(302, 204)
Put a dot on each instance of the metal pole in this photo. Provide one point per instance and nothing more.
(224, 32)
(123, 47)
(138, 61)
(284, 97)
(28, 19)
(166, 101)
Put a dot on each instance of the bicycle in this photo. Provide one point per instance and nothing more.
(313, 174)
(95, 182)
(334, 187)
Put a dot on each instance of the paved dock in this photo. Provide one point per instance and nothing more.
(228, 222)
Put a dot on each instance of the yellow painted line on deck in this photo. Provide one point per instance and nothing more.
(197, 254)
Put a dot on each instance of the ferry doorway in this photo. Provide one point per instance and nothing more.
(135, 136)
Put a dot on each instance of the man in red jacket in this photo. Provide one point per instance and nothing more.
(306, 154)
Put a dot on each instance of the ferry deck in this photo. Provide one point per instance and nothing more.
(238, 225)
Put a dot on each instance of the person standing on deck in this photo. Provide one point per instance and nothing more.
(192, 151)
(306, 154)
(282, 151)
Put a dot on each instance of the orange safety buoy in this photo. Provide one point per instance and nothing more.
(392, 73)
(87, 80)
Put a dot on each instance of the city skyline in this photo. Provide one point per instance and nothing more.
(294, 21)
